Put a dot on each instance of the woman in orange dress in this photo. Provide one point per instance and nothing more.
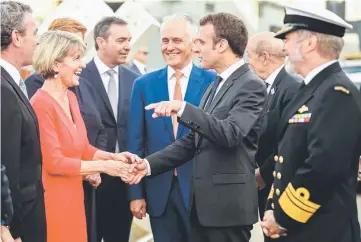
(67, 154)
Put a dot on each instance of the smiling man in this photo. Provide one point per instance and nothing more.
(167, 195)
(106, 121)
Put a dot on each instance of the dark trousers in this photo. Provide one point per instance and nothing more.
(32, 227)
(174, 224)
(201, 233)
(90, 210)
(114, 217)
(262, 200)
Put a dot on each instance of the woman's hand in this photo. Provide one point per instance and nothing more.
(94, 179)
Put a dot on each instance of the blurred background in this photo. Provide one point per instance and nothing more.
(144, 18)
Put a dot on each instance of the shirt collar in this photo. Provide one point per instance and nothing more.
(139, 65)
(13, 72)
(317, 70)
(271, 78)
(229, 71)
(103, 68)
(186, 71)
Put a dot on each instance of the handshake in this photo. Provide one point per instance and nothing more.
(129, 167)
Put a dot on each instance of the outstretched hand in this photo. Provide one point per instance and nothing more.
(165, 109)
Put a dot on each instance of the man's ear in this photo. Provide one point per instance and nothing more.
(100, 41)
(16, 38)
(223, 45)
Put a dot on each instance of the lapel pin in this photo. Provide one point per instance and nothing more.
(303, 109)
(272, 91)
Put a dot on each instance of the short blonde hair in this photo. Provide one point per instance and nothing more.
(53, 47)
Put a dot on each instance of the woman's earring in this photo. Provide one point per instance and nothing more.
(56, 75)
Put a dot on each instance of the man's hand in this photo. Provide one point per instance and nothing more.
(138, 208)
(270, 227)
(94, 179)
(6, 235)
(126, 157)
(259, 180)
(165, 109)
(136, 172)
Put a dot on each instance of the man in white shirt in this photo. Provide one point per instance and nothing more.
(20, 141)
(138, 64)
(313, 196)
(166, 197)
(107, 121)
(223, 142)
(266, 57)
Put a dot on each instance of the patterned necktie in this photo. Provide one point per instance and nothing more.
(213, 92)
(112, 93)
(177, 96)
(23, 88)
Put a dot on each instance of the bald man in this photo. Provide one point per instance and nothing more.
(266, 57)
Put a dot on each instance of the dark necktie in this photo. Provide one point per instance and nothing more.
(213, 92)
(303, 84)
(267, 85)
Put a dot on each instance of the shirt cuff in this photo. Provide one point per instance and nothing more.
(148, 167)
(180, 112)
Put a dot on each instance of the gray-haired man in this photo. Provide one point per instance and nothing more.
(20, 146)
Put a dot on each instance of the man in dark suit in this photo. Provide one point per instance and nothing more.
(224, 137)
(166, 197)
(266, 57)
(138, 64)
(20, 144)
(112, 85)
(313, 197)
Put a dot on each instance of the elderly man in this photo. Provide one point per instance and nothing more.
(266, 57)
(313, 197)
(20, 146)
(166, 195)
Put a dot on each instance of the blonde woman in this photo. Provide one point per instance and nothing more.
(67, 154)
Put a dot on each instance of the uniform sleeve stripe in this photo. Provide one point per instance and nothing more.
(302, 195)
(292, 210)
(298, 203)
(270, 195)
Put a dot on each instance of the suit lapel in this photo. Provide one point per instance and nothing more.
(95, 77)
(274, 88)
(162, 94)
(227, 84)
(303, 96)
(121, 84)
(21, 95)
(202, 104)
(193, 92)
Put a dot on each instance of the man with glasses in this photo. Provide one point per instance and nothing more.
(266, 57)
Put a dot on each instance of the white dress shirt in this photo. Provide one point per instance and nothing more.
(228, 72)
(13, 72)
(317, 70)
(271, 78)
(186, 71)
(103, 68)
(140, 66)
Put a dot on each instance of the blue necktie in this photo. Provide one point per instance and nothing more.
(23, 88)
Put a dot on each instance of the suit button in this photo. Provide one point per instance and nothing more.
(278, 192)
(274, 174)
(273, 206)
(279, 176)
(276, 158)
(198, 151)
(189, 122)
(281, 159)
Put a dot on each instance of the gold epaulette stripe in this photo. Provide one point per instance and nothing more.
(342, 89)
(302, 195)
(292, 210)
(270, 195)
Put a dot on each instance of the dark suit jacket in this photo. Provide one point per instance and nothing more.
(147, 135)
(134, 68)
(33, 83)
(318, 154)
(282, 91)
(20, 145)
(111, 130)
(223, 144)
(7, 210)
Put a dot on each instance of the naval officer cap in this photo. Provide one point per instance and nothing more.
(320, 21)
